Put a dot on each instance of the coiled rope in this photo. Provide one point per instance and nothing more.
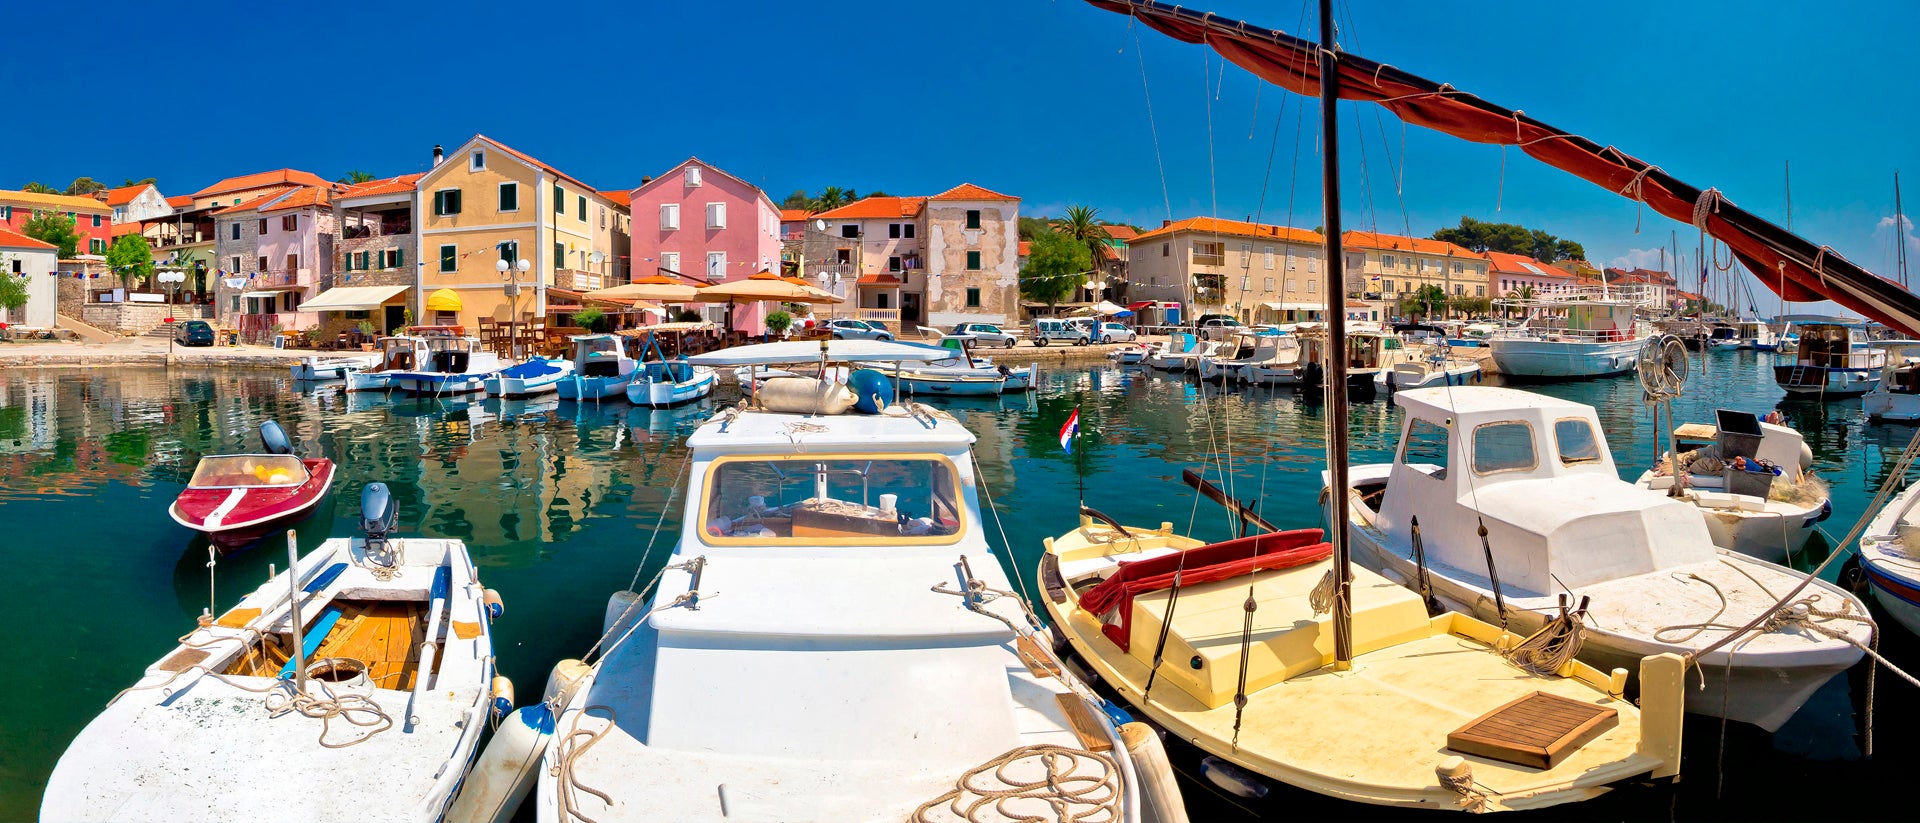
(999, 790)
(569, 748)
(1555, 645)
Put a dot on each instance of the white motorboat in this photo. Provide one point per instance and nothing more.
(1754, 512)
(381, 724)
(1536, 474)
(454, 365)
(332, 368)
(1130, 355)
(1595, 338)
(397, 354)
(1896, 398)
(1890, 558)
(966, 372)
(1180, 352)
(1279, 369)
(601, 368)
(833, 638)
(1757, 335)
(1721, 337)
(531, 378)
(1234, 362)
(660, 384)
(1368, 352)
(1429, 361)
(1830, 360)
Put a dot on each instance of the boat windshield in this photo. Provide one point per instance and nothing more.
(838, 501)
(598, 345)
(398, 353)
(442, 343)
(247, 471)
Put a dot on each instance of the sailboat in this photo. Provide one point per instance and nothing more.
(1273, 653)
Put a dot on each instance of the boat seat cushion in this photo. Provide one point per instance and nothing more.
(1216, 561)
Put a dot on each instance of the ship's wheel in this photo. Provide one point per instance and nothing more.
(1663, 367)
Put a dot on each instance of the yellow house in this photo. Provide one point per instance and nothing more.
(1388, 266)
(485, 203)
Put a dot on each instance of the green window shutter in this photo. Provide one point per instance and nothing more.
(349, 261)
(449, 258)
(559, 255)
(973, 261)
(439, 203)
(582, 203)
(559, 199)
(399, 258)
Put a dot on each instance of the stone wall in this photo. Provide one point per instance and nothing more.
(374, 246)
(125, 318)
(225, 248)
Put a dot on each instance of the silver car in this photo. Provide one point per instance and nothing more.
(1115, 333)
(987, 334)
(849, 329)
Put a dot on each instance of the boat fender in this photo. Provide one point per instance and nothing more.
(566, 678)
(1119, 716)
(502, 697)
(1826, 511)
(495, 606)
(1233, 779)
(871, 389)
(621, 603)
(506, 770)
(1160, 793)
(274, 438)
(804, 395)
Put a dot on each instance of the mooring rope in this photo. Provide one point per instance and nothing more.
(990, 791)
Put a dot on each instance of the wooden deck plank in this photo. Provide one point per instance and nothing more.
(1080, 716)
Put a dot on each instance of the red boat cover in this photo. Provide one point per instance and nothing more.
(1791, 266)
(260, 505)
(1214, 561)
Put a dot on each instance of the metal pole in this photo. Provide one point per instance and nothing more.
(293, 607)
(1335, 380)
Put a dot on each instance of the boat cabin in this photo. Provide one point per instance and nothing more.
(449, 354)
(1835, 346)
(401, 353)
(600, 355)
(1367, 351)
(1537, 472)
(248, 471)
(1256, 346)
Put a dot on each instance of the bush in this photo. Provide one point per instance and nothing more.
(778, 322)
(589, 317)
(686, 316)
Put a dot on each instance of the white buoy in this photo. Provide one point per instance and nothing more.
(622, 608)
(565, 679)
(1160, 795)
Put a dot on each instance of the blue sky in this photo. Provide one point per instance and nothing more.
(1040, 99)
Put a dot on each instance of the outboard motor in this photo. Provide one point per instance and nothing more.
(378, 517)
(274, 438)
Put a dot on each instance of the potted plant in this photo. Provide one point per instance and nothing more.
(589, 318)
(366, 335)
(778, 322)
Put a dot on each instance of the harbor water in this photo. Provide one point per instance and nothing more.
(559, 504)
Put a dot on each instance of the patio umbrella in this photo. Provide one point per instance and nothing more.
(764, 287)
(1106, 308)
(655, 288)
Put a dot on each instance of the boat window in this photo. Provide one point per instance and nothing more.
(1425, 442)
(1576, 441)
(837, 501)
(597, 345)
(248, 471)
(445, 343)
(1503, 447)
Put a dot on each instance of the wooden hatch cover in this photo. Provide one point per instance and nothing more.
(1537, 731)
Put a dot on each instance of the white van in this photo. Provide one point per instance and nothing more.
(1054, 328)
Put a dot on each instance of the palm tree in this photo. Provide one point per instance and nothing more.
(1521, 292)
(38, 187)
(1423, 301)
(832, 197)
(1079, 224)
(356, 177)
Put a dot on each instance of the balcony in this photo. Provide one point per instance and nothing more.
(1209, 259)
(582, 280)
(385, 228)
(889, 317)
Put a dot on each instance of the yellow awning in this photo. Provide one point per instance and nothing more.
(443, 300)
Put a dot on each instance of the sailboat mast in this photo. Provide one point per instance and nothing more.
(1334, 382)
(1900, 227)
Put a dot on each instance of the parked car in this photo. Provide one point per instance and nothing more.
(1054, 328)
(844, 328)
(987, 334)
(193, 333)
(1115, 333)
(1217, 326)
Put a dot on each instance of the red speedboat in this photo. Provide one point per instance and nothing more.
(239, 498)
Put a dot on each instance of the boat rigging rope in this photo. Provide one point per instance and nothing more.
(568, 749)
(1555, 645)
(1000, 789)
(325, 707)
(645, 592)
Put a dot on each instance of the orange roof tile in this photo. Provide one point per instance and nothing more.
(876, 207)
(281, 177)
(1026, 247)
(56, 202)
(391, 185)
(1121, 232)
(181, 202)
(14, 240)
(969, 191)
(879, 280)
(1504, 263)
(620, 197)
(1394, 242)
(254, 203)
(304, 197)
(125, 194)
(788, 215)
(1237, 228)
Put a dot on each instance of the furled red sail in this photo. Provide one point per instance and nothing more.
(1792, 266)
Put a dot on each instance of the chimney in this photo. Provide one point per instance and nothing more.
(1165, 223)
(645, 179)
(438, 154)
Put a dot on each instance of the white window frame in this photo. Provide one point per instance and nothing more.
(477, 161)
(716, 215)
(716, 266)
(669, 216)
(670, 260)
(692, 177)
(503, 194)
(1269, 258)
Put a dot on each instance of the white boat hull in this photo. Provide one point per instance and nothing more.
(951, 385)
(663, 393)
(1420, 376)
(313, 368)
(369, 381)
(505, 384)
(1825, 382)
(581, 387)
(434, 383)
(1563, 360)
(1889, 406)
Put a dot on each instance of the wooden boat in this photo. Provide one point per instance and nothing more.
(397, 354)
(1536, 474)
(1890, 558)
(660, 384)
(236, 498)
(1598, 338)
(875, 652)
(1247, 348)
(454, 365)
(354, 685)
(1829, 360)
(601, 368)
(333, 368)
(534, 377)
(1758, 514)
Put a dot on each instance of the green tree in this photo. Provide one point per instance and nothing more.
(356, 177)
(1471, 306)
(13, 292)
(1057, 266)
(1569, 250)
(37, 187)
(83, 186)
(833, 197)
(144, 181)
(1521, 292)
(798, 200)
(1512, 239)
(130, 257)
(589, 318)
(57, 229)
(1031, 227)
(1080, 225)
(1424, 302)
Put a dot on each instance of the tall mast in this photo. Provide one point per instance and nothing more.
(1334, 382)
(1899, 226)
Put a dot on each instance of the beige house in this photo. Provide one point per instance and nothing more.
(1384, 267)
(1255, 272)
(920, 261)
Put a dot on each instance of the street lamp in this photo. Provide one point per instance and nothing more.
(172, 280)
(511, 272)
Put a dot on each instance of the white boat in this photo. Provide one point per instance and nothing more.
(966, 372)
(397, 354)
(1890, 558)
(1830, 360)
(1180, 352)
(1130, 355)
(1721, 337)
(1896, 398)
(1369, 351)
(952, 385)
(537, 376)
(660, 384)
(1536, 474)
(1428, 361)
(382, 724)
(1280, 369)
(833, 639)
(1234, 362)
(1761, 515)
(1596, 338)
(333, 368)
(601, 368)
(454, 365)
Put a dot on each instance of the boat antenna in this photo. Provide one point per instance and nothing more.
(1334, 382)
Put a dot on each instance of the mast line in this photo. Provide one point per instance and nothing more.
(1334, 382)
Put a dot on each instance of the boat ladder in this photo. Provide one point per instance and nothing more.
(1799, 375)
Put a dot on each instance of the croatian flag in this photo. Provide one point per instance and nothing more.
(1070, 429)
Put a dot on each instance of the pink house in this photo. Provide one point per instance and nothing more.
(708, 225)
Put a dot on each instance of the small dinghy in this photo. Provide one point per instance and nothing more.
(1130, 355)
(1890, 558)
(397, 354)
(662, 382)
(353, 686)
(314, 368)
(534, 377)
(237, 498)
(601, 369)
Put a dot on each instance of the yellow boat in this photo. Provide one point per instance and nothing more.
(1379, 730)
